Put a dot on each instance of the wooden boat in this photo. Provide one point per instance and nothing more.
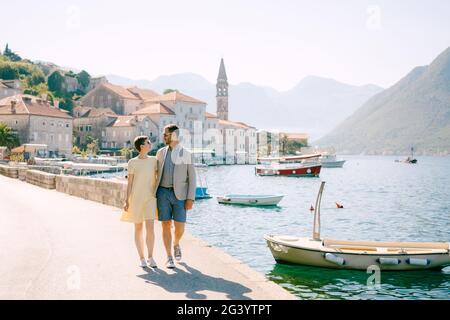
(356, 254)
(250, 200)
(293, 166)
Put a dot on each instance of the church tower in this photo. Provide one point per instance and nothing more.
(222, 93)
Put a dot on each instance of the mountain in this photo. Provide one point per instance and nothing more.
(315, 105)
(415, 112)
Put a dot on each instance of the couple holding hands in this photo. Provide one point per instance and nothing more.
(163, 185)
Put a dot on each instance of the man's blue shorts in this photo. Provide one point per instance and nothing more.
(169, 207)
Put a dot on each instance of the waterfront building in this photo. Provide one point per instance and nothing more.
(36, 121)
(121, 132)
(122, 100)
(89, 121)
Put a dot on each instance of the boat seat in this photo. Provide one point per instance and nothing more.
(404, 245)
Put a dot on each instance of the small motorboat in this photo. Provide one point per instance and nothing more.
(356, 254)
(330, 161)
(250, 200)
(410, 159)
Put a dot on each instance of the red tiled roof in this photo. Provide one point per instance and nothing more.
(91, 112)
(210, 115)
(121, 91)
(237, 125)
(154, 108)
(27, 104)
(143, 94)
(176, 96)
(124, 121)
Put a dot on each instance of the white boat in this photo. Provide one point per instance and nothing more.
(356, 254)
(250, 200)
(329, 161)
(292, 166)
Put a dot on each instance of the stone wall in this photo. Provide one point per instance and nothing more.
(8, 171)
(108, 192)
(22, 173)
(41, 179)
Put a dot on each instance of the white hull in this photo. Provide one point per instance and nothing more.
(359, 255)
(250, 200)
(333, 164)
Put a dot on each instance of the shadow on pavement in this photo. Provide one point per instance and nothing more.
(193, 281)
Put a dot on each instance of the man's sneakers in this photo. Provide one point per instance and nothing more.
(152, 263)
(170, 264)
(177, 252)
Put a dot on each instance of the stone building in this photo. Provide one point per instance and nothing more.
(122, 100)
(121, 132)
(95, 82)
(36, 121)
(9, 88)
(186, 112)
(90, 121)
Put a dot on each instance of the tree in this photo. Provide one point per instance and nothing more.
(37, 77)
(76, 150)
(8, 72)
(55, 82)
(126, 152)
(11, 55)
(92, 148)
(83, 79)
(170, 90)
(8, 138)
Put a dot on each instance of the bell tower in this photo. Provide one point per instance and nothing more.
(222, 93)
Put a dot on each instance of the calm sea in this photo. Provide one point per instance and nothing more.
(383, 200)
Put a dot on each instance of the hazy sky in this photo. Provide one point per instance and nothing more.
(273, 43)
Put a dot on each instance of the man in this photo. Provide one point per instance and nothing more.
(176, 185)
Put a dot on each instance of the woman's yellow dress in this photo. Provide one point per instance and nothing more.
(142, 202)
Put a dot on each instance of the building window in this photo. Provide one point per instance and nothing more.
(59, 137)
(43, 123)
(146, 124)
(81, 128)
(67, 138)
(67, 125)
(103, 133)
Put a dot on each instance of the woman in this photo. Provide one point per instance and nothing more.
(140, 204)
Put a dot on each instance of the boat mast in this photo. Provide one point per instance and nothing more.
(316, 229)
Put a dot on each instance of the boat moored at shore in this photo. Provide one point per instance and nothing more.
(356, 254)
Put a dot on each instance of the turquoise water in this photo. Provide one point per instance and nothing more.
(383, 200)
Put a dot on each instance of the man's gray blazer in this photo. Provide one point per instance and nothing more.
(184, 177)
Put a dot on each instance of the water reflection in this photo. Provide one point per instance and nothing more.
(322, 283)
